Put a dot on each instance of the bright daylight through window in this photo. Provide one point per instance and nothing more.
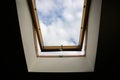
(60, 24)
(60, 21)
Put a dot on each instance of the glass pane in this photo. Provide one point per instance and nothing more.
(60, 21)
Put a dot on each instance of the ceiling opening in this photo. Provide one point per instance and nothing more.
(58, 64)
(60, 24)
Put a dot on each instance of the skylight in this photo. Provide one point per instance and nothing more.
(60, 21)
(60, 24)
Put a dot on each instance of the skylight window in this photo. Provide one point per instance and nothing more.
(60, 24)
(60, 21)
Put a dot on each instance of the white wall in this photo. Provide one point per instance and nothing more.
(64, 64)
(93, 31)
(25, 23)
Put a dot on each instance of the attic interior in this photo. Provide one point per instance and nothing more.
(107, 50)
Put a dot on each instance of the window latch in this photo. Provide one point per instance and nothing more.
(61, 48)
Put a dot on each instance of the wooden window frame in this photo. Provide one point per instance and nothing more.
(60, 48)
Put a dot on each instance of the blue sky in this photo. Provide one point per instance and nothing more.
(60, 21)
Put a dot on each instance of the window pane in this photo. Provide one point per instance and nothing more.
(60, 21)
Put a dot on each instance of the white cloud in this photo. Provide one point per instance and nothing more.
(45, 5)
(66, 25)
(55, 34)
(68, 16)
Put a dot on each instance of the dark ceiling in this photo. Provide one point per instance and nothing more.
(13, 61)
